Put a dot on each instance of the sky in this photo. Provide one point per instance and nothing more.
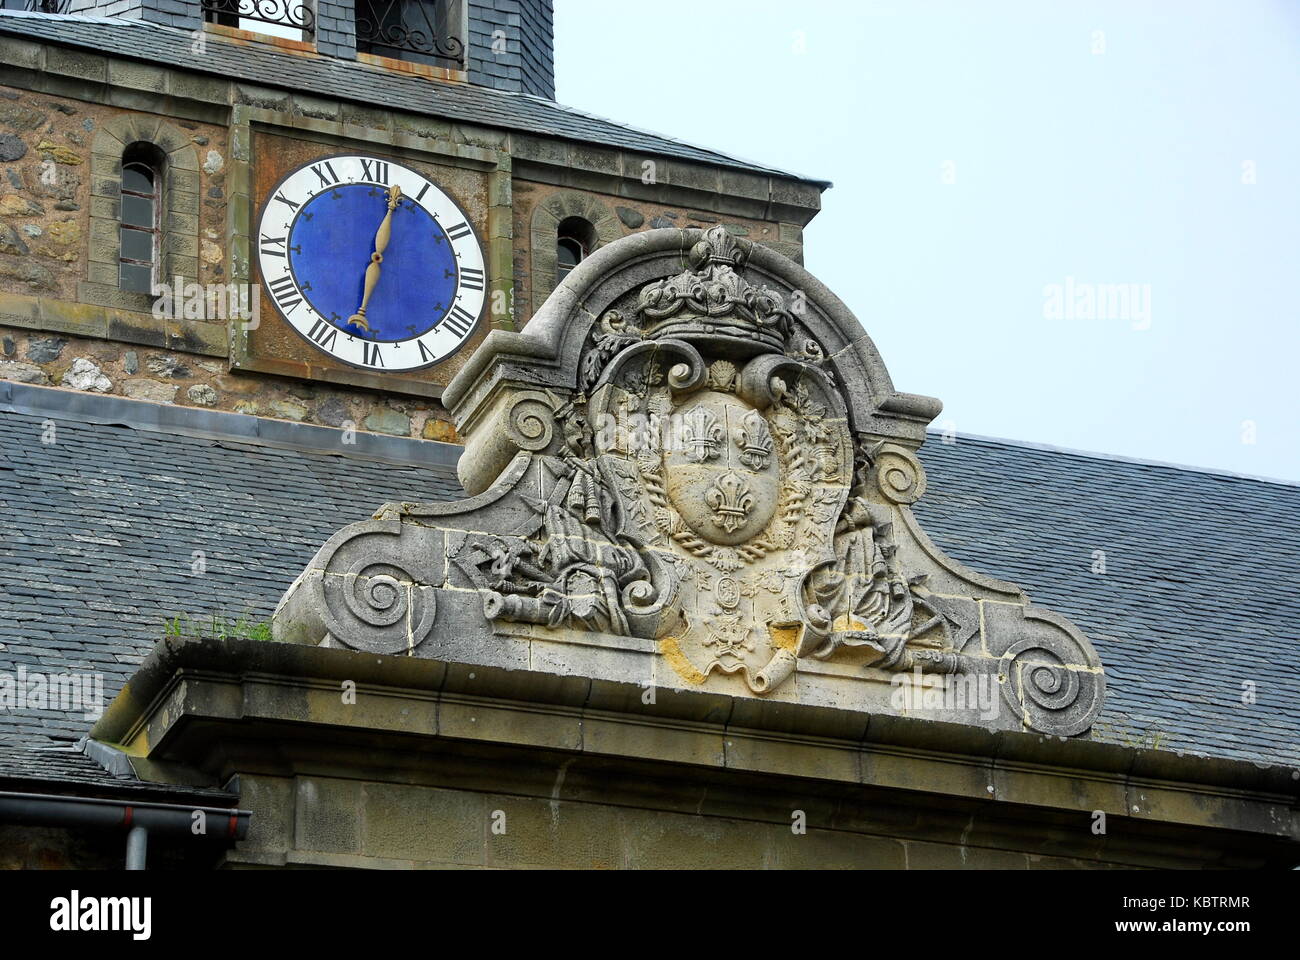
(1075, 223)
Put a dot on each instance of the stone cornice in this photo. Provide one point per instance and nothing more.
(185, 686)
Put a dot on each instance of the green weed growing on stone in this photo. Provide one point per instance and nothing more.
(218, 627)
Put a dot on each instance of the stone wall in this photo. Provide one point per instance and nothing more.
(327, 821)
(54, 186)
(539, 207)
(78, 848)
(172, 376)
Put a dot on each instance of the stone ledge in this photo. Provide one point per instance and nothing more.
(218, 424)
(103, 322)
(186, 684)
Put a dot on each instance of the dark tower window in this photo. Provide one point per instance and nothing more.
(141, 183)
(418, 31)
(574, 240)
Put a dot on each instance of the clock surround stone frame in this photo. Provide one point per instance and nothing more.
(494, 165)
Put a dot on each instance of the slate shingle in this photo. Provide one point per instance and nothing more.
(1199, 596)
(350, 80)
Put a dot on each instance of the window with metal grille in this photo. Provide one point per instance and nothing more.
(418, 31)
(290, 19)
(141, 183)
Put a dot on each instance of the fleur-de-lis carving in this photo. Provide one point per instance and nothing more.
(730, 500)
(701, 435)
(754, 440)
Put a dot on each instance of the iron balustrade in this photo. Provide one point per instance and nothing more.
(394, 27)
(284, 13)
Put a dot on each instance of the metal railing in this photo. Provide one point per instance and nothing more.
(394, 27)
(39, 6)
(284, 13)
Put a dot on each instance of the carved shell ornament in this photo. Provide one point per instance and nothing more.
(716, 464)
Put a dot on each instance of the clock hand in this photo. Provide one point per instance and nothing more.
(381, 244)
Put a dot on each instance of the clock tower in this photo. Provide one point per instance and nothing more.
(315, 213)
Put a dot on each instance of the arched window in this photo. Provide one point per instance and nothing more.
(141, 211)
(574, 240)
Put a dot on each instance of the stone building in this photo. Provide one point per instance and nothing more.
(432, 474)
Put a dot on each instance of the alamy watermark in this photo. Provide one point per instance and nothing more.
(67, 692)
(1079, 300)
(933, 693)
(208, 301)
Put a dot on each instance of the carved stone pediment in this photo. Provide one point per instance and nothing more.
(694, 471)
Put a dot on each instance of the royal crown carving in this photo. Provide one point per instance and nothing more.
(693, 472)
(712, 301)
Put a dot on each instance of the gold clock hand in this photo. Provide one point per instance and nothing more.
(382, 236)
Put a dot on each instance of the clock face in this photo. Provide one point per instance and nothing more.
(371, 263)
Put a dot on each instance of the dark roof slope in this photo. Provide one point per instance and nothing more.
(362, 83)
(1198, 603)
(63, 769)
(99, 530)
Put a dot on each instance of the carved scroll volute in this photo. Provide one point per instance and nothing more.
(519, 420)
(1050, 676)
(898, 474)
(684, 367)
(370, 587)
(530, 422)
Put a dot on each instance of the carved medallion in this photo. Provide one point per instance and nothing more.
(722, 492)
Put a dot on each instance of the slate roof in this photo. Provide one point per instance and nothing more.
(98, 532)
(62, 768)
(363, 83)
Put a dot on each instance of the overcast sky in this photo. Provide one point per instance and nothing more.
(997, 167)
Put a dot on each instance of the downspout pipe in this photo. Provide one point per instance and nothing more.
(139, 819)
(137, 848)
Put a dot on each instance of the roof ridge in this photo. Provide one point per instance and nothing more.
(646, 131)
(704, 155)
(1116, 458)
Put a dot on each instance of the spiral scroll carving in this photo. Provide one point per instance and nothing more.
(374, 605)
(899, 475)
(531, 423)
(1048, 682)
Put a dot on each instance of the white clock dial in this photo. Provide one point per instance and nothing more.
(371, 262)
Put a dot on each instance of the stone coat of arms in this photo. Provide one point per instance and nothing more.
(692, 471)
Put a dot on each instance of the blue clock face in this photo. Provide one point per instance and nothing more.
(371, 263)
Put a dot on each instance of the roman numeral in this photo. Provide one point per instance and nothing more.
(285, 293)
(459, 230)
(329, 181)
(323, 335)
(471, 279)
(423, 190)
(426, 355)
(270, 243)
(378, 175)
(460, 320)
(283, 199)
(370, 354)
